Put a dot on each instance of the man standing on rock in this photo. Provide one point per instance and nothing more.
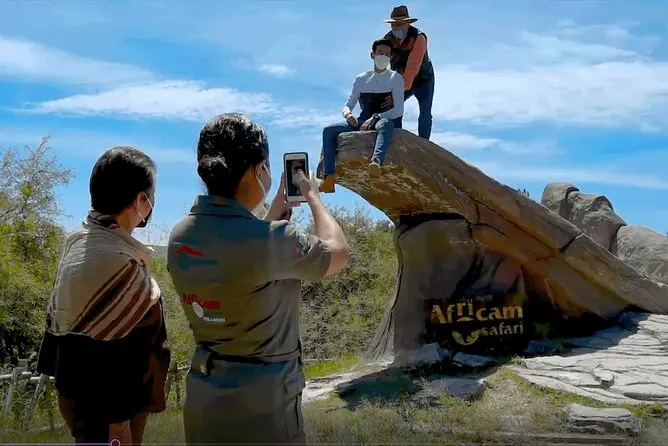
(411, 59)
(380, 94)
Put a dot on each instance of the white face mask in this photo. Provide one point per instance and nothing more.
(381, 62)
(259, 210)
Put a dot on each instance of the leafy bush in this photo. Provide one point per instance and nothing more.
(178, 330)
(339, 315)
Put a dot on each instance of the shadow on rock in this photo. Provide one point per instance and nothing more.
(424, 384)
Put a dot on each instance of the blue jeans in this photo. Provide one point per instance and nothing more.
(384, 127)
(424, 94)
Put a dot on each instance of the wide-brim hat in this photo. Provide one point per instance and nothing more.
(400, 15)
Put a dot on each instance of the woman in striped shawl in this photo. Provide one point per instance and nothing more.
(105, 342)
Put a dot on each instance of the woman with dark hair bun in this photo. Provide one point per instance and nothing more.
(239, 278)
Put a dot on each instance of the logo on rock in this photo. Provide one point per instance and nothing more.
(466, 320)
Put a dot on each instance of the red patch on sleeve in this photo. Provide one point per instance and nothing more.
(185, 249)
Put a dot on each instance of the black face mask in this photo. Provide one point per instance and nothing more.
(144, 222)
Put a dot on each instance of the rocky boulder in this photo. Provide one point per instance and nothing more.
(641, 248)
(644, 250)
(592, 214)
(482, 267)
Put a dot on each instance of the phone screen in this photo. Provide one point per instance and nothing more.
(291, 168)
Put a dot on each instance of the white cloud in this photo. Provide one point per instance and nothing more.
(602, 95)
(277, 70)
(618, 34)
(547, 78)
(603, 80)
(569, 28)
(185, 100)
(290, 116)
(543, 175)
(545, 48)
(29, 60)
(466, 142)
(271, 69)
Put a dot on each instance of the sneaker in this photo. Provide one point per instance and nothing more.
(374, 168)
(327, 185)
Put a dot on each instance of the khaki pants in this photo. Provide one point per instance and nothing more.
(127, 432)
(233, 402)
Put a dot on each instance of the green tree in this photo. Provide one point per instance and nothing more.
(340, 314)
(31, 241)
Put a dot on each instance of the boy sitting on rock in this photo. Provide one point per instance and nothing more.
(372, 90)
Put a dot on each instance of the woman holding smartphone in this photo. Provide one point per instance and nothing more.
(240, 278)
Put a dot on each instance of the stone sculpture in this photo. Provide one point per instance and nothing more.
(483, 268)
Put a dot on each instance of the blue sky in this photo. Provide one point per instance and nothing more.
(530, 92)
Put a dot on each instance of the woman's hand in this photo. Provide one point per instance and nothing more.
(280, 208)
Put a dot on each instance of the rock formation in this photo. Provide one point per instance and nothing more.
(483, 268)
(644, 250)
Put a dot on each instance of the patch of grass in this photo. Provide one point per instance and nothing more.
(551, 396)
(324, 368)
(648, 411)
(11, 435)
(509, 404)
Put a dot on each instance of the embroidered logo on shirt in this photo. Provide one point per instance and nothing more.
(207, 310)
(185, 249)
(187, 256)
(199, 311)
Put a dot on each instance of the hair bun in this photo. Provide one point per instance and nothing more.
(228, 146)
(212, 166)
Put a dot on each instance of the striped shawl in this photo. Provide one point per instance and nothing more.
(103, 286)
(106, 341)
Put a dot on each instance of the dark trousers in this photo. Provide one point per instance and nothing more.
(424, 94)
(239, 402)
(384, 129)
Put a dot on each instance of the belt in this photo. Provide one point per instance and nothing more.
(232, 358)
(204, 358)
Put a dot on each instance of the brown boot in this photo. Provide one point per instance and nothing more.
(327, 185)
(374, 168)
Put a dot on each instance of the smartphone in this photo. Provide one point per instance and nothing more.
(292, 162)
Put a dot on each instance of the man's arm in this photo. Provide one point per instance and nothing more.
(397, 109)
(415, 61)
(347, 109)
